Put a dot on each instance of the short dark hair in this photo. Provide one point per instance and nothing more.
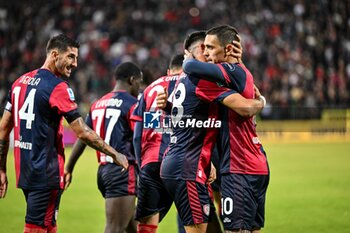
(126, 70)
(225, 33)
(176, 61)
(61, 42)
(193, 37)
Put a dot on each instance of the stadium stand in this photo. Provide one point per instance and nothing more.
(298, 51)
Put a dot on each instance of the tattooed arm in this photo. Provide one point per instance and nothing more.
(6, 125)
(90, 138)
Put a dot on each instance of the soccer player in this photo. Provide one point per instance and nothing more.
(244, 168)
(153, 200)
(110, 118)
(36, 105)
(186, 165)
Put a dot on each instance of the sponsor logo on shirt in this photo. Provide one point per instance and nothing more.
(71, 94)
(23, 145)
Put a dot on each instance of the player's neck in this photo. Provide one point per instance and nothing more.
(232, 60)
(121, 86)
(50, 65)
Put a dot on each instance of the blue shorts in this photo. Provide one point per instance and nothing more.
(243, 201)
(152, 196)
(112, 182)
(192, 201)
(42, 206)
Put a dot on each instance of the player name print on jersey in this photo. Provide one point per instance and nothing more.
(31, 81)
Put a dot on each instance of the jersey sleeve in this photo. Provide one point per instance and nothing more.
(62, 98)
(211, 92)
(235, 76)
(137, 114)
(8, 106)
(208, 71)
(232, 76)
(130, 113)
(88, 120)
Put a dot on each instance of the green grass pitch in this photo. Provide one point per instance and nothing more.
(309, 192)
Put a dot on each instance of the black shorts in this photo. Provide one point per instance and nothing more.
(112, 182)
(42, 206)
(192, 200)
(152, 196)
(243, 201)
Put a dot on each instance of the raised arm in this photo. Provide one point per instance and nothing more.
(90, 138)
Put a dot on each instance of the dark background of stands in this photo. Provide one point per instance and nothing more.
(297, 50)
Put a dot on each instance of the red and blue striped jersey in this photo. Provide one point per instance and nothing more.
(153, 142)
(195, 124)
(239, 146)
(38, 101)
(110, 118)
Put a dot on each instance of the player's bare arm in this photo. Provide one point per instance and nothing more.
(6, 126)
(90, 138)
(77, 151)
(244, 107)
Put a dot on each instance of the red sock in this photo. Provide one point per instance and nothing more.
(31, 228)
(146, 228)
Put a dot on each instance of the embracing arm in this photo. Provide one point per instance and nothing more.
(90, 138)
(244, 107)
(208, 71)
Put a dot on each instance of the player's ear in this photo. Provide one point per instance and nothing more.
(131, 80)
(202, 47)
(229, 50)
(54, 54)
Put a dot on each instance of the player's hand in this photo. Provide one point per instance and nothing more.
(162, 99)
(212, 176)
(237, 49)
(67, 179)
(187, 55)
(259, 96)
(121, 160)
(256, 92)
(3, 184)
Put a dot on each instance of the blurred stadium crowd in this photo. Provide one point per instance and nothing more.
(297, 50)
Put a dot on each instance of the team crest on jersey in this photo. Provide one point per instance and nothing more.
(71, 94)
(206, 209)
